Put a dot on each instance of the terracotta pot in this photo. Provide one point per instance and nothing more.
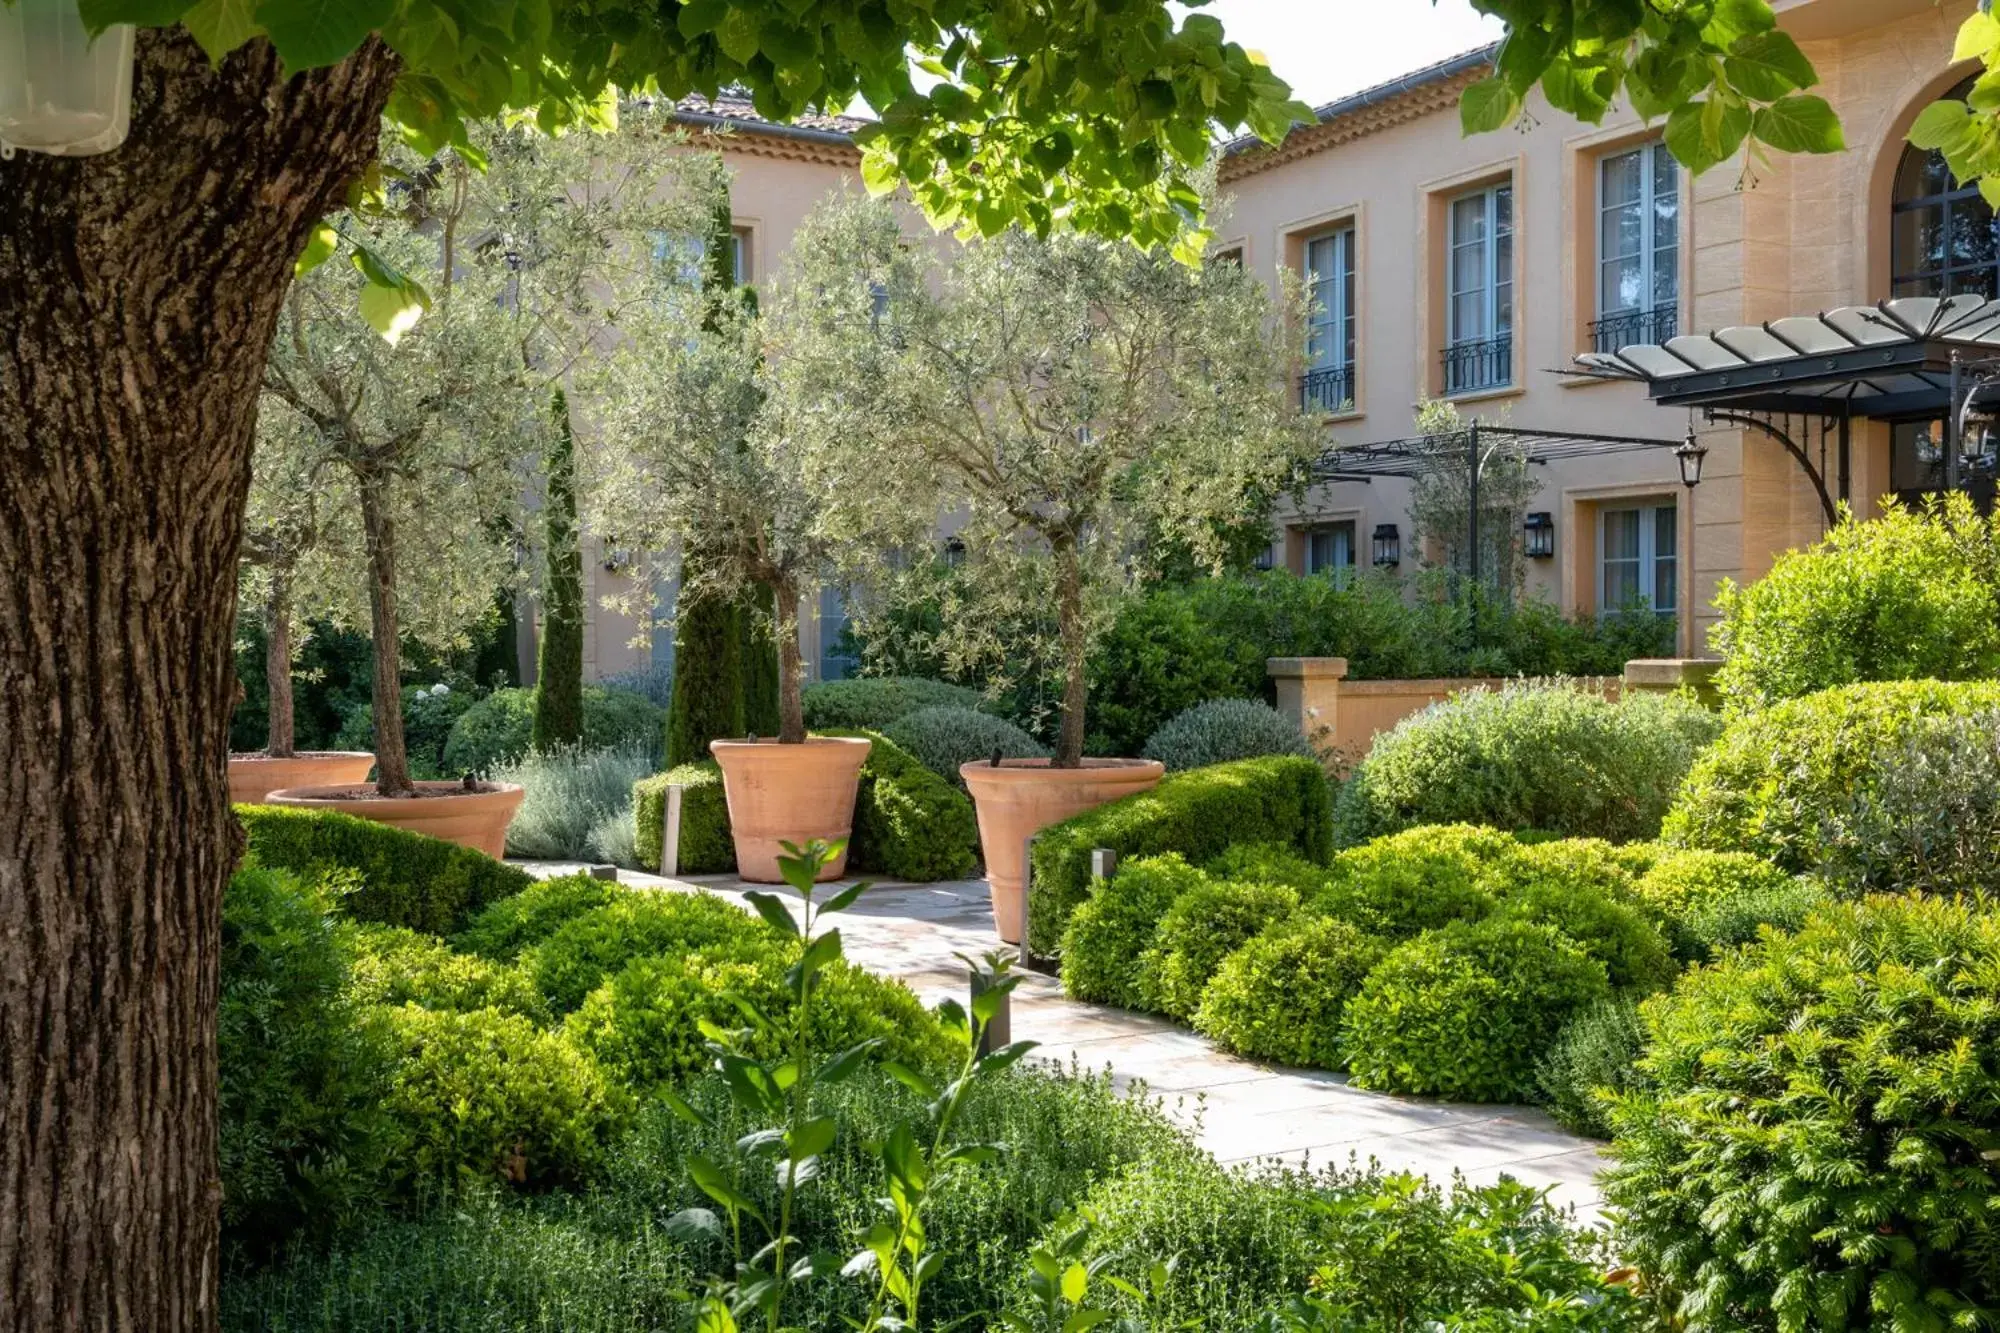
(788, 793)
(1022, 797)
(475, 819)
(252, 777)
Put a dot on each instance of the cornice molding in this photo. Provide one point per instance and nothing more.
(1305, 141)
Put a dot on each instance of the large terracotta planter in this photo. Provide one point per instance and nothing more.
(254, 776)
(475, 819)
(789, 793)
(1021, 797)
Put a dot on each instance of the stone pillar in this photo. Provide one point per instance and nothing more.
(1309, 693)
(1665, 675)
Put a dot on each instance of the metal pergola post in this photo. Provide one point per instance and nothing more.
(1472, 502)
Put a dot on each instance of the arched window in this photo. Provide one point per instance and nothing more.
(1942, 233)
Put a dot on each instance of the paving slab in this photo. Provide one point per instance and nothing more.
(1240, 1110)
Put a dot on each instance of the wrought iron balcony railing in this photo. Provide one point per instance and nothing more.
(1485, 364)
(1327, 390)
(1623, 328)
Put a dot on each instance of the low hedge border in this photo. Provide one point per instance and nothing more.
(1202, 813)
(407, 879)
(705, 847)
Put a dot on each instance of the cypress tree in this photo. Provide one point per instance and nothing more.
(559, 673)
(708, 677)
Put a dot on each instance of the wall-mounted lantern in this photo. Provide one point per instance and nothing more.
(62, 91)
(1538, 535)
(1388, 546)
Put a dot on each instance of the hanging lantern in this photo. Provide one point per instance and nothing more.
(1388, 546)
(62, 91)
(1538, 535)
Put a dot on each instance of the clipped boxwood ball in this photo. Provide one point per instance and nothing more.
(1465, 1012)
(1222, 730)
(1204, 926)
(1686, 884)
(572, 961)
(1281, 996)
(1104, 948)
(1416, 880)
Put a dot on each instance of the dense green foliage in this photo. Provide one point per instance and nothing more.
(1596, 1055)
(406, 879)
(1463, 1011)
(705, 846)
(1104, 948)
(1281, 996)
(1220, 730)
(558, 711)
(579, 954)
(304, 1067)
(1885, 785)
(567, 794)
(396, 965)
(1179, 645)
(1909, 595)
(877, 701)
(944, 737)
(1742, 917)
(708, 677)
(1634, 953)
(1814, 1149)
(503, 928)
(1281, 800)
(1204, 926)
(1417, 880)
(1685, 888)
(500, 728)
(1552, 757)
(430, 712)
(759, 652)
(909, 823)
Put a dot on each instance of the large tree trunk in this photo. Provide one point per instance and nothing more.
(392, 755)
(791, 666)
(278, 666)
(138, 292)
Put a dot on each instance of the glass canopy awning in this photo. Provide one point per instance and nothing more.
(1889, 361)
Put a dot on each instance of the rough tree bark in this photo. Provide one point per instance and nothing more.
(137, 295)
(279, 734)
(392, 753)
(791, 666)
(1075, 650)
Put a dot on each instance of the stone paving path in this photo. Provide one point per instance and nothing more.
(1239, 1109)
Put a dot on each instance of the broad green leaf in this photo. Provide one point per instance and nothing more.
(700, 16)
(1766, 65)
(222, 25)
(1703, 133)
(811, 1138)
(1989, 190)
(737, 34)
(1075, 1281)
(319, 248)
(1979, 34)
(1732, 19)
(97, 15)
(775, 913)
(1941, 125)
(310, 34)
(1487, 105)
(695, 1225)
(391, 311)
(1800, 123)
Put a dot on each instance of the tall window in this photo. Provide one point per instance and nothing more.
(1479, 310)
(1330, 549)
(1638, 560)
(684, 254)
(1638, 248)
(1941, 233)
(1329, 379)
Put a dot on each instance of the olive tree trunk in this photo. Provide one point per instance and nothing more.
(1075, 653)
(279, 736)
(138, 292)
(392, 753)
(791, 665)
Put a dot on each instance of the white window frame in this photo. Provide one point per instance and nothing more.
(1493, 274)
(1649, 558)
(1339, 326)
(1649, 243)
(1338, 571)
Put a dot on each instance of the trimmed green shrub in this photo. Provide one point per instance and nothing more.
(302, 1068)
(558, 711)
(1104, 948)
(395, 965)
(1272, 863)
(586, 949)
(1686, 884)
(874, 702)
(1281, 800)
(708, 674)
(1528, 756)
(566, 793)
(909, 823)
(486, 1096)
(1634, 953)
(1204, 926)
(1464, 1012)
(643, 1024)
(502, 929)
(1914, 594)
(1280, 997)
(1815, 1146)
(499, 728)
(706, 847)
(1875, 786)
(1416, 880)
(1220, 730)
(406, 879)
(1582, 865)
(1740, 917)
(1595, 1056)
(943, 738)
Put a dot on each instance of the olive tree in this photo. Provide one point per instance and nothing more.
(1074, 401)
